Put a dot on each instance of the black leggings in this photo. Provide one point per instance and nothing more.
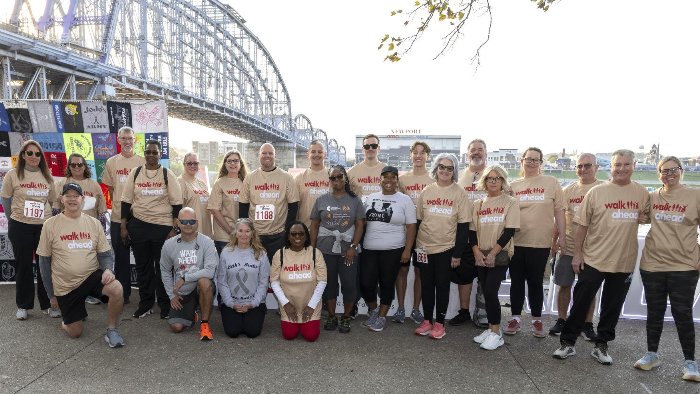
(527, 264)
(249, 324)
(147, 241)
(679, 287)
(25, 239)
(435, 285)
(490, 280)
(379, 267)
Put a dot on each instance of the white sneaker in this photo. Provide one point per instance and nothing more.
(482, 337)
(55, 313)
(564, 351)
(600, 353)
(21, 314)
(492, 342)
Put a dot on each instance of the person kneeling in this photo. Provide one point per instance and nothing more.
(187, 265)
(75, 256)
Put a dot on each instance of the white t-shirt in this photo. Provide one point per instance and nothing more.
(387, 217)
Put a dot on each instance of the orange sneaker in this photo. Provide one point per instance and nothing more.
(205, 332)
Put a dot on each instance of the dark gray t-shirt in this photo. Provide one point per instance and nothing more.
(336, 214)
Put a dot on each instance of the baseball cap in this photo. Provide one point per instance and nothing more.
(72, 186)
(391, 169)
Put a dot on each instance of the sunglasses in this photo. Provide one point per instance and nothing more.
(192, 163)
(493, 179)
(673, 170)
(188, 222)
(297, 234)
(582, 166)
(76, 165)
(31, 153)
(151, 152)
(335, 178)
(233, 161)
(446, 168)
(370, 146)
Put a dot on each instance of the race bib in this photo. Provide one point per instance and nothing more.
(421, 255)
(203, 199)
(89, 203)
(265, 212)
(34, 210)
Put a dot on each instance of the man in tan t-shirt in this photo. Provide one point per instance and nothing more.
(114, 176)
(464, 275)
(77, 261)
(587, 167)
(605, 250)
(271, 199)
(313, 182)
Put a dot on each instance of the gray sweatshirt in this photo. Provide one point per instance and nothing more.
(197, 259)
(241, 279)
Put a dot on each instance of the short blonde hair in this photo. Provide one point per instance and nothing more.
(505, 186)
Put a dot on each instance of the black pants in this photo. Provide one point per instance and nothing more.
(220, 245)
(435, 285)
(337, 269)
(147, 240)
(679, 287)
(249, 324)
(272, 244)
(122, 259)
(527, 265)
(614, 293)
(380, 267)
(490, 280)
(25, 239)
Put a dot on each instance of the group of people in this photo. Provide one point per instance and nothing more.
(357, 231)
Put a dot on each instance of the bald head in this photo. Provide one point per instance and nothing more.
(266, 155)
(187, 213)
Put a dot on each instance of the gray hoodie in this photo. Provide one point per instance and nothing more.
(198, 259)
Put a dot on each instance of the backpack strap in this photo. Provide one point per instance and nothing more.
(137, 172)
(165, 175)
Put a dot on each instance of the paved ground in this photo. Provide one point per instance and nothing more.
(35, 356)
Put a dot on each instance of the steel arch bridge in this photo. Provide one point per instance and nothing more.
(197, 55)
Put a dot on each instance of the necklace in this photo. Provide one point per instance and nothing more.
(154, 175)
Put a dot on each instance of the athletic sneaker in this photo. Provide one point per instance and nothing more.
(462, 317)
(205, 332)
(399, 316)
(54, 313)
(416, 316)
(564, 351)
(142, 312)
(92, 300)
(690, 371)
(424, 329)
(600, 353)
(113, 338)
(165, 313)
(588, 332)
(331, 323)
(353, 312)
(482, 337)
(21, 314)
(379, 324)
(344, 326)
(648, 362)
(538, 329)
(557, 327)
(513, 327)
(373, 315)
(438, 331)
(492, 342)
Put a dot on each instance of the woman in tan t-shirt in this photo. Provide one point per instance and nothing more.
(27, 195)
(77, 171)
(541, 202)
(223, 202)
(195, 193)
(670, 263)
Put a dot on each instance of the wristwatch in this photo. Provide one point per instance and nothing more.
(182, 275)
(354, 246)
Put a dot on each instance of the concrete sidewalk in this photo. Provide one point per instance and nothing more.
(36, 356)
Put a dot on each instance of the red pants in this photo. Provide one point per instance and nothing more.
(309, 330)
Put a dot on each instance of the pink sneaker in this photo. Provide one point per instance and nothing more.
(513, 327)
(424, 329)
(538, 329)
(438, 331)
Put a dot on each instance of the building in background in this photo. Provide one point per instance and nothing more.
(395, 148)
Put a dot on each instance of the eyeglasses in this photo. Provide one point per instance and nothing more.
(151, 152)
(673, 170)
(370, 146)
(494, 179)
(76, 165)
(126, 138)
(233, 161)
(188, 222)
(31, 153)
(297, 234)
(582, 166)
(446, 168)
(530, 160)
(335, 178)
(192, 163)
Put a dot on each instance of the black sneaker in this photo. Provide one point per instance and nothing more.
(344, 326)
(165, 313)
(331, 323)
(142, 312)
(462, 317)
(353, 313)
(558, 326)
(588, 332)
